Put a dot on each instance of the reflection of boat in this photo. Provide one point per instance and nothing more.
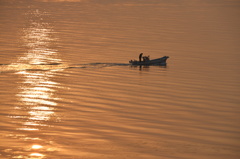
(159, 61)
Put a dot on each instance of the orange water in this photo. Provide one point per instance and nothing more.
(67, 90)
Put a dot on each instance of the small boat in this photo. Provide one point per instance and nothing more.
(160, 61)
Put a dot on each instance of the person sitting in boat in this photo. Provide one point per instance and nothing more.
(146, 58)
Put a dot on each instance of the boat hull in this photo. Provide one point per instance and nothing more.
(159, 61)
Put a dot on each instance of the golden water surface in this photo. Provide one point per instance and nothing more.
(67, 90)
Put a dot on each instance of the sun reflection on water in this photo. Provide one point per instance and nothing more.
(37, 91)
(37, 146)
(38, 155)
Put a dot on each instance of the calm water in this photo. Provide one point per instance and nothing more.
(68, 92)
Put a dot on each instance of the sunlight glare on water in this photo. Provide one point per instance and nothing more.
(36, 91)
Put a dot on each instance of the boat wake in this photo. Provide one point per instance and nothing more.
(53, 66)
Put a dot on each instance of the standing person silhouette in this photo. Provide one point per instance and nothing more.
(140, 57)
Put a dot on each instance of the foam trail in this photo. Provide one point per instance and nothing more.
(53, 66)
(97, 65)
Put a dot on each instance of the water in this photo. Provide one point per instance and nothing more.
(67, 90)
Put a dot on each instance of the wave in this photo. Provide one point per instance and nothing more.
(53, 66)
